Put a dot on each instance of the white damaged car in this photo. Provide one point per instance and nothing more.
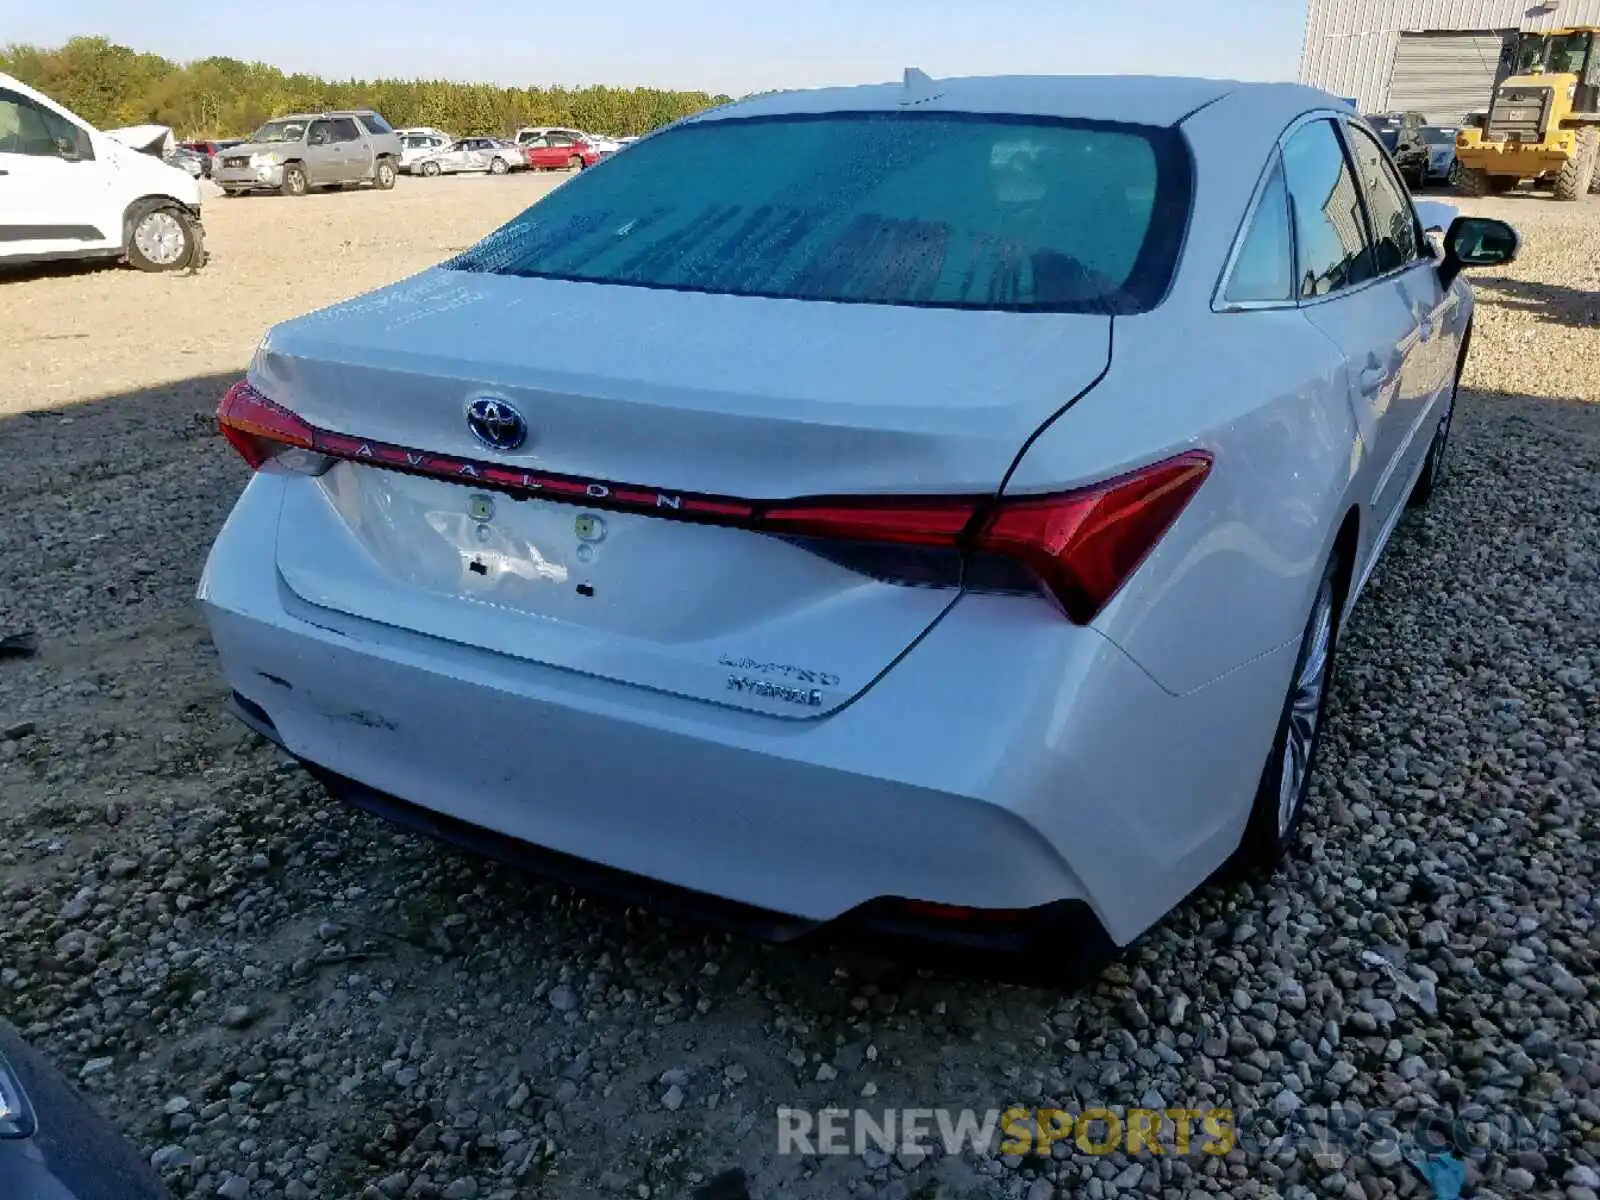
(960, 549)
(71, 191)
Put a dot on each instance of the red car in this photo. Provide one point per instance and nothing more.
(210, 150)
(558, 151)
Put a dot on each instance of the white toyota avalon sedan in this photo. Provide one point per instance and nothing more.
(957, 545)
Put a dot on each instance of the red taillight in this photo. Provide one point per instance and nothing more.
(263, 432)
(1079, 547)
(1083, 545)
(916, 522)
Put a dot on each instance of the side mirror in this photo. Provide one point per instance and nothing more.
(1477, 242)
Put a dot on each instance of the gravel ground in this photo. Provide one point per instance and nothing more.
(275, 997)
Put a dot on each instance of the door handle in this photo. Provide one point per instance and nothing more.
(1372, 379)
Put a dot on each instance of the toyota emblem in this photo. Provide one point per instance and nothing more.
(496, 424)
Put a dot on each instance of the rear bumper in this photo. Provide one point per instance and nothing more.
(1009, 761)
(1066, 927)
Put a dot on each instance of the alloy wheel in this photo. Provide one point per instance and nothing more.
(1305, 710)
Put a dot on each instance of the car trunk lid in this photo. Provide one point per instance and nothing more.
(664, 401)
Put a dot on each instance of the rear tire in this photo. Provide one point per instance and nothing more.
(1572, 181)
(575, 163)
(1475, 181)
(1433, 469)
(383, 175)
(294, 181)
(430, 169)
(1280, 801)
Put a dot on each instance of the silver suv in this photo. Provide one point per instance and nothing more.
(302, 151)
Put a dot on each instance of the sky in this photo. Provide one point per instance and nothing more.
(730, 46)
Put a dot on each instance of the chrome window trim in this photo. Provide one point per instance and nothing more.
(1339, 119)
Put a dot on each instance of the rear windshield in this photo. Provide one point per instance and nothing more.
(928, 209)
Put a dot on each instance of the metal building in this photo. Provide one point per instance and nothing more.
(1439, 57)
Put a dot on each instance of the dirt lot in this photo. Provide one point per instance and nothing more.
(277, 998)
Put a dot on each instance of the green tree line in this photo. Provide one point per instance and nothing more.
(113, 86)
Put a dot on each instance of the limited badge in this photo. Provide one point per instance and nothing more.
(480, 508)
(589, 528)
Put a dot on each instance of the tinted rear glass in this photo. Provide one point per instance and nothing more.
(930, 209)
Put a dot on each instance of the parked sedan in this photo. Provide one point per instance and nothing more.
(53, 1146)
(1406, 146)
(494, 155)
(560, 151)
(195, 163)
(1011, 633)
(414, 147)
(603, 146)
(1441, 143)
(209, 150)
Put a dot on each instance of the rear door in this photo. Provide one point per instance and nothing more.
(546, 154)
(1404, 252)
(563, 146)
(355, 155)
(1360, 303)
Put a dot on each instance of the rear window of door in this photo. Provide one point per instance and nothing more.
(1394, 222)
(344, 130)
(1330, 224)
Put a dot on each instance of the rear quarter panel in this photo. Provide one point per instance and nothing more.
(1267, 395)
(1263, 390)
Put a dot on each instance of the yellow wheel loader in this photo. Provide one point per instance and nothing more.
(1543, 122)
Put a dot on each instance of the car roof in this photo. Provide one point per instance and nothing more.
(1134, 99)
(332, 112)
